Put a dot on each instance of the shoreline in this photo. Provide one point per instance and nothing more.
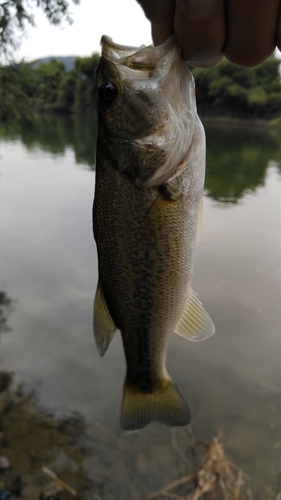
(222, 120)
(56, 450)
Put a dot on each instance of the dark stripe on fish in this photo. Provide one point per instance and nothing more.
(142, 376)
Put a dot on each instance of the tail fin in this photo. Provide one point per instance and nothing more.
(165, 405)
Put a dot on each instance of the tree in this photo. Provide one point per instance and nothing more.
(85, 93)
(28, 88)
(16, 87)
(49, 77)
(16, 14)
(231, 90)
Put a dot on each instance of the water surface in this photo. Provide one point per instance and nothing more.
(48, 276)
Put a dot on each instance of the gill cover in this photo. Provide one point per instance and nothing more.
(146, 97)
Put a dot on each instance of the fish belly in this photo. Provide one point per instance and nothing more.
(145, 247)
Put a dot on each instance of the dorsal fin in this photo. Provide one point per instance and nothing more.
(104, 326)
(194, 323)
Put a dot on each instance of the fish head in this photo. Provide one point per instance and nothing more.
(129, 106)
(146, 109)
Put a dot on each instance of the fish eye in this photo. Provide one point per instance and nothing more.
(108, 92)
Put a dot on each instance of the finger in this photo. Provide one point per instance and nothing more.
(161, 15)
(199, 26)
(278, 43)
(251, 30)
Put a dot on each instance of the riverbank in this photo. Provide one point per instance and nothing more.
(228, 120)
(42, 458)
(225, 89)
(35, 445)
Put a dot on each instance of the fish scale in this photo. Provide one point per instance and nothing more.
(145, 220)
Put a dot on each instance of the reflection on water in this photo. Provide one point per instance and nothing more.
(237, 160)
(55, 134)
(32, 439)
(5, 310)
(236, 156)
(90, 461)
(48, 265)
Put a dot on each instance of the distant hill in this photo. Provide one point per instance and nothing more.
(68, 61)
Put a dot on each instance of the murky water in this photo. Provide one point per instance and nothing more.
(48, 270)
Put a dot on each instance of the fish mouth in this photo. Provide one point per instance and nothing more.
(142, 58)
(117, 46)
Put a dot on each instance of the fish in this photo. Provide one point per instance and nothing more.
(150, 169)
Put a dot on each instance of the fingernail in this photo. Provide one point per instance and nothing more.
(200, 8)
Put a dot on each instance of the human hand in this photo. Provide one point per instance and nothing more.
(245, 31)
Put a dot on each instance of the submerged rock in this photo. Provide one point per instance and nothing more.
(4, 463)
(8, 389)
(51, 491)
(4, 495)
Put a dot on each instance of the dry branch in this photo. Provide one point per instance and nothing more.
(168, 488)
(211, 473)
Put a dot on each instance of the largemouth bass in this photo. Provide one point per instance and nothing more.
(150, 168)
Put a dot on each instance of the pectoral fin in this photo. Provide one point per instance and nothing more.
(195, 323)
(104, 326)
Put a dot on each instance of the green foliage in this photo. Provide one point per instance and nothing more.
(15, 14)
(15, 81)
(49, 78)
(225, 90)
(237, 159)
(66, 92)
(229, 90)
(56, 134)
(85, 70)
(25, 89)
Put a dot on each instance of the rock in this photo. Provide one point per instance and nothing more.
(4, 463)
(8, 389)
(17, 486)
(4, 495)
(51, 491)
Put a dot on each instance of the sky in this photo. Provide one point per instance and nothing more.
(123, 21)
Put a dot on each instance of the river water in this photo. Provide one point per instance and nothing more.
(48, 276)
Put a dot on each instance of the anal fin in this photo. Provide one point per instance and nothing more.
(104, 326)
(194, 323)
